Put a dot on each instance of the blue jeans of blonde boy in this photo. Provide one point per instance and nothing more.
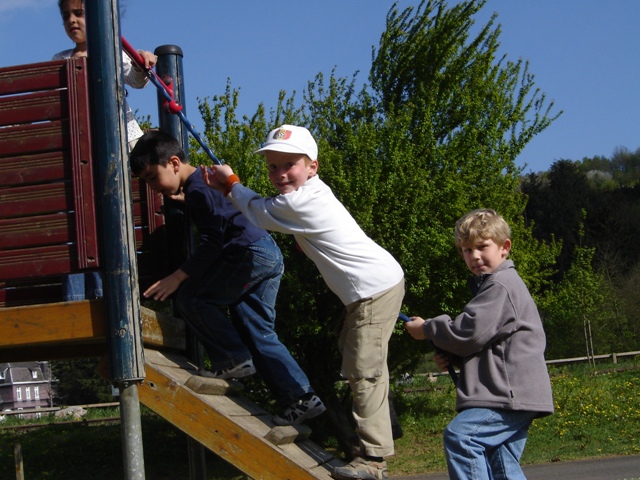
(486, 444)
(245, 283)
(364, 345)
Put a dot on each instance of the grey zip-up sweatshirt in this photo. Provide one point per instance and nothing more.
(501, 342)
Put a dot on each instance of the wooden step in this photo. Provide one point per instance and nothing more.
(230, 425)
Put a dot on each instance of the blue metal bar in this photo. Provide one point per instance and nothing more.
(450, 369)
(172, 104)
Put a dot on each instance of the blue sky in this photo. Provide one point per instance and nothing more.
(585, 55)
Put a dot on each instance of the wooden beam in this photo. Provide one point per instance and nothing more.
(54, 323)
(75, 329)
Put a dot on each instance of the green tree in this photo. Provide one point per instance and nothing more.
(434, 135)
(583, 314)
(78, 383)
(556, 203)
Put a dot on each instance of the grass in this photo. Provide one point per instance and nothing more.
(597, 414)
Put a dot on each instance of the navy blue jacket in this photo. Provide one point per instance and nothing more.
(220, 225)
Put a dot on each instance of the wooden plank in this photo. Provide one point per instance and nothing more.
(213, 386)
(56, 323)
(34, 138)
(188, 411)
(307, 454)
(35, 231)
(161, 330)
(171, 360)
(32, 77)
(36, 262)
(38, 168)
(33, 107)
(88, 255)
(30, 200)
(78, 326)
(287, 434)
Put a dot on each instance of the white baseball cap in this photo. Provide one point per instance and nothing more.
(291, 139)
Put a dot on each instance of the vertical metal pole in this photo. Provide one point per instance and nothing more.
(169, 66)
(17, 453)
(179, 227)
(114, 193)
(131, 430)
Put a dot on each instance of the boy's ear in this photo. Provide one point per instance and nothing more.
(175, 163)
(313, 168)
(506, 247)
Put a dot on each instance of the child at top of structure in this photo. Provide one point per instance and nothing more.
(499, 339)
(236, 266)
(81, 286)
(366, 278)
(73, 20)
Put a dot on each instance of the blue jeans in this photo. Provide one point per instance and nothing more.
(486, 444)
(245, 282)
(82, 286)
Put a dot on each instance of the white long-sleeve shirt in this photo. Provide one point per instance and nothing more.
(352, 264)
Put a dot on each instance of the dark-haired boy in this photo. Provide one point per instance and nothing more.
(236, 266)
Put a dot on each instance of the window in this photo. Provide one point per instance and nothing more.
(27, 390)
(36, 392)
(19, 394)
(34, 374)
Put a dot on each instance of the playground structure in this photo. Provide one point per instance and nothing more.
(69, 205)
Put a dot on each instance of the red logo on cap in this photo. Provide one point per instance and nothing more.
(282, 134)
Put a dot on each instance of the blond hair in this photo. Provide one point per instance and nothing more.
(481, 224)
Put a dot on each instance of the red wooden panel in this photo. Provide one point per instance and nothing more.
(81, 164)
(33, 107)
(33, 77)
(36, 262)
(47, 185)
(35, 199)
(34, 138)
(35, 231)
(25, 169)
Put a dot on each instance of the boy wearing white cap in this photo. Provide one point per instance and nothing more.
(366, 278)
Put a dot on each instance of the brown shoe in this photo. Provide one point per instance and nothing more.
(362, 469)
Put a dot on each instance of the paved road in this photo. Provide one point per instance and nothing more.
(608, 468)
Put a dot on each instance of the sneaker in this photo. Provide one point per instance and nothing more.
(359, 468)
(301, 410)
(241, 370)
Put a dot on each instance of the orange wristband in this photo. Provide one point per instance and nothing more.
(230, 182)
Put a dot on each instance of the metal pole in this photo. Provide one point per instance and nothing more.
(179, 227)
(133, 454)
(113, 185)
(169, 67)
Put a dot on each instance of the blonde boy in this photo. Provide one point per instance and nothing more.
(366, 278)
(498, 338)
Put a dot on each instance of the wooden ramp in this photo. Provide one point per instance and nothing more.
(212, 412)
(209, 410)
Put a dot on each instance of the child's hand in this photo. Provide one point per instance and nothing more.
(216, 176)
(165, 287)
(149, 58)
(415, 328)
(442, 360)
(178, 197)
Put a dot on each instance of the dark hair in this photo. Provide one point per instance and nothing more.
(155, 148)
